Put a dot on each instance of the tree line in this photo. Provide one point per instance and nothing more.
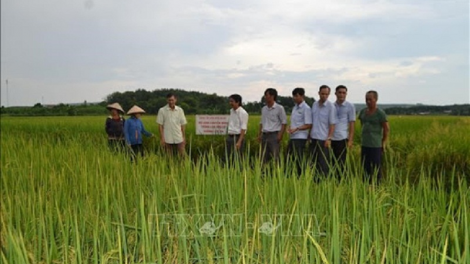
(194, 102)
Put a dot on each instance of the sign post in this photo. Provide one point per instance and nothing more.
(211, 124)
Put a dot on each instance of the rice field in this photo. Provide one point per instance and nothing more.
(65, 198)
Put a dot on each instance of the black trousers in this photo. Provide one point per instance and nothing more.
(117, 145)
(270, 147)
(137, 150)
(230, 147)
(340, 151)
(372, 161)
(295, 153)
(321, 156)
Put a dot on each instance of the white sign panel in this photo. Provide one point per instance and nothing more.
(211, 124)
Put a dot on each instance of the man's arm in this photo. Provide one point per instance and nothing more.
(162, 134)
(281, 132)
(331, 130)
(386, 131)
(260, 132)
(351, 133)
(183, 131)
(240, 139)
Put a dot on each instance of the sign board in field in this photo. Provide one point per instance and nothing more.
(211, 124)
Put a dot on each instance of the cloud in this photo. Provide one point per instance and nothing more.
(53, 48)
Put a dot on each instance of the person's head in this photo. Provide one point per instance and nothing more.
(113, 112)
(270, 95)
(171, 100)
(298, 95)
(341, 92)
(137, 115)
(115, 109)
(371, 98)
(235, 100)
(324, 92)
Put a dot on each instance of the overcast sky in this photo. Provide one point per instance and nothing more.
(410, 51)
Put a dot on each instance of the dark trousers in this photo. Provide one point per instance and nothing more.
(270, 147)
(372, 161)
(321, 156)
(231, 149)
(340, 151)
(295, 153)
(137, 150)
(117, 145)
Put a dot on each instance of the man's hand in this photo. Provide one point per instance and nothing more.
(238, 145)
(292, 130)
(328, 143)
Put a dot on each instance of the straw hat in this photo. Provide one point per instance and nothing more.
(116, 106)
(135, 110)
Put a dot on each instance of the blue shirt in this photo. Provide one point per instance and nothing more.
(322, 116)
(133, 130)
(301, 115)
(346, 113)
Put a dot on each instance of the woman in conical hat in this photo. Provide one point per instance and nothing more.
(133, 130)
(114, 127)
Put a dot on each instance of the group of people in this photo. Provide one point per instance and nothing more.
(328, 126)
(127, 134)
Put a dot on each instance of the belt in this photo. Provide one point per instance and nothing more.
(233, 135)
(269, 133)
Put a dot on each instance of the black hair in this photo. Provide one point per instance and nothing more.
(299, 90)
(323, 87)
(237, 98)
(170, 95)
(341, 87)
(376, 95)
(272, 92)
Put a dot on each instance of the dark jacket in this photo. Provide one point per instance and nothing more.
(115, 128)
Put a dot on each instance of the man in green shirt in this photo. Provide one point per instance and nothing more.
(375, 130)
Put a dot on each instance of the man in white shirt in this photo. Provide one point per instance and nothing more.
(272, 126)
(237, 125)
(344, 129)
(324, 120)
(172, 122)
(300, 123)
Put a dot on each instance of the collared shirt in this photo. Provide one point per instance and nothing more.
(172, 120)
(272, 118)
(237, 121)
(301, 115)
(322, 116)
(346, 113)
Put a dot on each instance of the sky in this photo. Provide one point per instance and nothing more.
(410, 51)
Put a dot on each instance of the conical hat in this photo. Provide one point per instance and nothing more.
(135, 110)
(116, 106)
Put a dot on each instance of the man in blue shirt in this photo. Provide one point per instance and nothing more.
(344, 129)
(323, 126)
(301, 122)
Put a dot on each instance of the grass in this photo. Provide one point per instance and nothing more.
(66, 199)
